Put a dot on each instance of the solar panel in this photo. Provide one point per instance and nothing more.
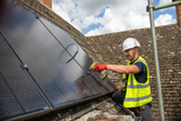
(81, 58)
(18, 94)
(58, 67)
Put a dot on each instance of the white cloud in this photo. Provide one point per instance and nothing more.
(164, 20)
(162, 2)
(120, 15)
(63, 8)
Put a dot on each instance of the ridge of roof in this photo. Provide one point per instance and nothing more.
(139, 29)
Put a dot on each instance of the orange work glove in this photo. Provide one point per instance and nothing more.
(100, 67)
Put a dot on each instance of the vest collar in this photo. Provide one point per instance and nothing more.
(134, 60)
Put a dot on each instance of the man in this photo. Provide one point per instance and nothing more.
(135, 92)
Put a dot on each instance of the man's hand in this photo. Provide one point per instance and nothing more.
(118, 87)
(99, 67)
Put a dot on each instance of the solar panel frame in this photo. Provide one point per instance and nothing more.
(16, 96)
(34, 43)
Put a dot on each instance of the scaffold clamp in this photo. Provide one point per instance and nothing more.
(148, 7)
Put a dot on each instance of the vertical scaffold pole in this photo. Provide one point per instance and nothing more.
(157, 71)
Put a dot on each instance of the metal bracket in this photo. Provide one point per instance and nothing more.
(36, 16)
(148, 7)
(24, 66)
(142, 107)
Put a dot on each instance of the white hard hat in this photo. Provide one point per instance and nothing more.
(130, 43)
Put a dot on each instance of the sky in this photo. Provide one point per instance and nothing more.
(96, 17)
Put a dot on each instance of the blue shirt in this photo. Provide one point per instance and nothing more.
(142, 75)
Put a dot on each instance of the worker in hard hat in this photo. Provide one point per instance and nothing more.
(134, 93)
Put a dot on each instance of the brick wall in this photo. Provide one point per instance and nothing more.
(47, 3)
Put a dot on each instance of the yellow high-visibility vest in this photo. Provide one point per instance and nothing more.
(137, 94)
(124, 83)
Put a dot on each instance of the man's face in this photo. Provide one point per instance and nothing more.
(130, 53)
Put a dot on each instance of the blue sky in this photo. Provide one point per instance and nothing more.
(106, 16)
(171, 10)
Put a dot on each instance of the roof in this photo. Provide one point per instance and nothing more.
(101, 49)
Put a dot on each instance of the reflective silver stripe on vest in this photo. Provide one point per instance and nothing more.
(138, 99)
(137, 86)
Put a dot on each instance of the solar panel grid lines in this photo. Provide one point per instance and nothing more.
(57, 67)
(70, 72)
(12, 86)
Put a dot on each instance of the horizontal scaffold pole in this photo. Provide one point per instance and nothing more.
(167, 5)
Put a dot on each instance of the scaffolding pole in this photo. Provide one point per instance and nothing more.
(167, 5)
(150, 8)
(157, 71)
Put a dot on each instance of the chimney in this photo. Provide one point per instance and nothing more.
(48, 3)
(178, 12)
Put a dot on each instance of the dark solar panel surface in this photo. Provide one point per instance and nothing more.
(18, 95)
(56, 63)
(81, 58)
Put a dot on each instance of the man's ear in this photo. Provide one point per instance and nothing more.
(135, 49)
